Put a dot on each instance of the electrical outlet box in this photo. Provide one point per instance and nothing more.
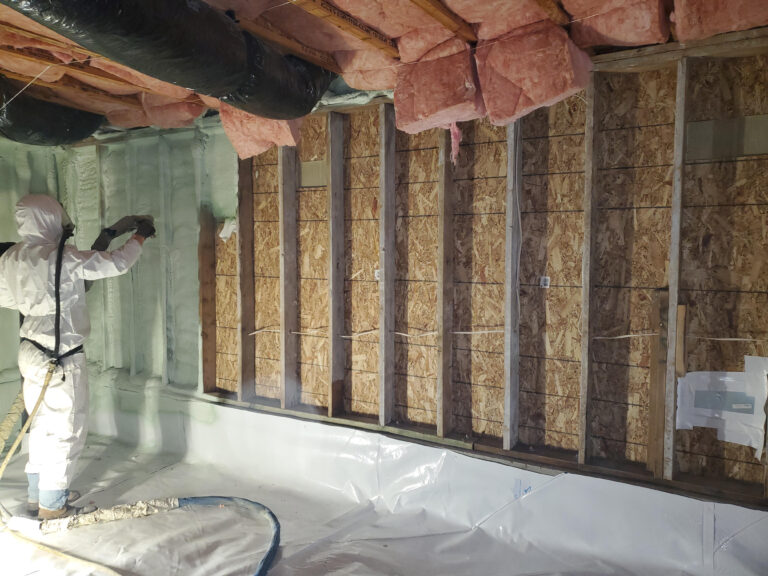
(544, 282)
(377, 274)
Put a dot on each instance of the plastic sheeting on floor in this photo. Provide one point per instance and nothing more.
(352, 502)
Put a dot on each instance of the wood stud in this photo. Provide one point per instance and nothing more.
(206, 253)
(287, 168)
(445, 264)
(387, 221)
(670, 400)
(247, 387)
(335, 159)
(512, 286)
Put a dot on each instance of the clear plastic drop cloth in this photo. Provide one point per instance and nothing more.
(354, 502)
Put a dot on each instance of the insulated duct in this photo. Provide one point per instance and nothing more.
(190, 44)
(30, 121)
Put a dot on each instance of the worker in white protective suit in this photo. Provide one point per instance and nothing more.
(28, 284)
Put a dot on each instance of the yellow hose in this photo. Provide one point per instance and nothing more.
(11, 419)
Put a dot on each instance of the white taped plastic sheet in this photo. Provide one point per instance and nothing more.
(733, 403)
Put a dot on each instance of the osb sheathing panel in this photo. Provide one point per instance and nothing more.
(552, 192)
(616, 450)
(620, 383)
(265, 179)
(361, 204)
(313, 138)
(647, 187)
(619, 422)
(313, 380)
(622, 312)
(226, 256)
(267, 303)
(418, 199)
(361, 133)
(538, 437)
(312, 204)
(743, 181)
(362, 355)
(549, 412)
(266, 207)
(266, 158)
(549, 323)
(266, 241)
(267, 376)
(481, 132)
(361, 393)
(481, 161)
(635, 147)
(565, 117)
(550, 376)
(726, 314)
(714, 467)
(415, 399)
(558, 154)
(724, 248)
(552, 246)
(632, 247)
(642, 99)
(728, 88)
(708, 355)
(420, 141)
(416, 360)
(478, 367)
(227, 371)
(478, 409)
(313, 249)
(361, 172)
(704, 441)
(362, 249)
(313, 306)
(416, 312)
(227, 309)
(416, 248)
(267, 344)
(361, 309)
(416, 166)
(313, 350)
(479, 248)
(227, 340)
(484, 196)
(479, 308)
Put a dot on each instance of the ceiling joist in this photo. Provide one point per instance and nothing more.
(268, 31)
(447, 18)
(343, 21)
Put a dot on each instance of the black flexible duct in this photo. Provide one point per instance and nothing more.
(30, 121)
(190, 44)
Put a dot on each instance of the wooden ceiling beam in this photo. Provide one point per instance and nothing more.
(268, 31)
(72, 86)
(554, 11)
(440, 12)
(347, 23)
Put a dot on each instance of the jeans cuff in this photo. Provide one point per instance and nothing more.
(53, 499)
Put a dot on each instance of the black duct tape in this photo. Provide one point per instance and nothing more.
(30, 121)
(278, 86)
(184, 42)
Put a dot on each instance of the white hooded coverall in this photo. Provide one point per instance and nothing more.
(27, 284)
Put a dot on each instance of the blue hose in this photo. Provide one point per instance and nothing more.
(262, 510)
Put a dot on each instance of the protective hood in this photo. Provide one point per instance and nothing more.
(40, 219)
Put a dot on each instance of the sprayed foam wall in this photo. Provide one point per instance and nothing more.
(146, 321)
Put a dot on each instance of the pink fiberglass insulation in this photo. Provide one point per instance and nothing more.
(210, 101)
(14, 40)
(10, 16)
(101, 84)
(128, 118)
(140, 79)
(367, 69)
(165, 112)
(618, 22)
(415, 44)
(534, 66)
(698, 19)
(493, 18)
(251, 135)
(26, 67)
(436, 92)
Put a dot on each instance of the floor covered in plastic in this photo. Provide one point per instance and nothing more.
(352, 502)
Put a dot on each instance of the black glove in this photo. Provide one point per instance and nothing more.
(145, 227)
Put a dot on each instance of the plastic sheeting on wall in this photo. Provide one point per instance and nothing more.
(733, 403)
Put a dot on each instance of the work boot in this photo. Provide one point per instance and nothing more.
(34, 507)
(63, 512)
